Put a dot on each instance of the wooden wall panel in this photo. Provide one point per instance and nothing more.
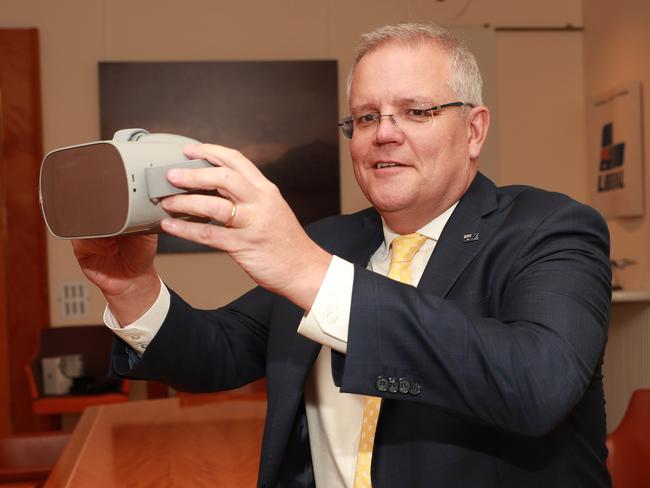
(627, 358)
(5, 404)
(25, 255)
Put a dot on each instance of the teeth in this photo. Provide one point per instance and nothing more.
(386, 165)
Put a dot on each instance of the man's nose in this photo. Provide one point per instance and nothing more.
(387, 129)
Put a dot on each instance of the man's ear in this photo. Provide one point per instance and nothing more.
(477, 128)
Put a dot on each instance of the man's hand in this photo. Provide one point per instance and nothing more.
(263, 235)
(122, 268)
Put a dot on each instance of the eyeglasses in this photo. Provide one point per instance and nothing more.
(407, 118)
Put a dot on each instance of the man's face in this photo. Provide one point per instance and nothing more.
(429, 164)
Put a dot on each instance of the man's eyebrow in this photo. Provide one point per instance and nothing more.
(400, 102)
(414, 100)
(364, 107)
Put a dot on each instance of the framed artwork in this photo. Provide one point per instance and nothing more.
(282, 115)
(615, 138)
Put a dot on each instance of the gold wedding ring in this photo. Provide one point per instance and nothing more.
(233, 212)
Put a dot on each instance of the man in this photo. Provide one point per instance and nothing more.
(488, 372)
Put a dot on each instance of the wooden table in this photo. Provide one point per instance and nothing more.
(193, 441)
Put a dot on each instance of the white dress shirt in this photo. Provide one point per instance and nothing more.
(334, 418)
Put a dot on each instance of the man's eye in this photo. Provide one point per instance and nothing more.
(366, 119)
(418, 113)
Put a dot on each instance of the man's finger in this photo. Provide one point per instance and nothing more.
(86, 247)
(227, 181)
(224, 156)
(207, 234)
(214, 208)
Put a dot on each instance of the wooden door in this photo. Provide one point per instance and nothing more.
(24, 307)
(5, 397)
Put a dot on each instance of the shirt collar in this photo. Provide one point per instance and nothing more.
(432, 230)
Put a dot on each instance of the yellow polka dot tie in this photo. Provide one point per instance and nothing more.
(403, 249)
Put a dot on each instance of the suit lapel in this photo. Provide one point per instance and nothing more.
(365, 240)
(464, 235)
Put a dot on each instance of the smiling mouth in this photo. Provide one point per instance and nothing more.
(382, 164)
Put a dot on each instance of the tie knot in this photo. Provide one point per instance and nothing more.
(405, 246)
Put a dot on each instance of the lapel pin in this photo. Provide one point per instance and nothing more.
(470, 237)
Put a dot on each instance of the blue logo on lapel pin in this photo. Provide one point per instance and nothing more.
(470, 237)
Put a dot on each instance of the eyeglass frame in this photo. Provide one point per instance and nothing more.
(348, 121)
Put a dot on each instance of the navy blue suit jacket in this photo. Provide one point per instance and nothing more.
(498, 349)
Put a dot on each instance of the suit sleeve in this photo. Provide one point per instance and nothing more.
(523, 367)
(201, 350)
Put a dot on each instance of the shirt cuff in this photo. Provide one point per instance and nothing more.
(328, 320)
(140, 333)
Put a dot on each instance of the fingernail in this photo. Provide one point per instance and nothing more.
(168, 224)
(190, 149)
(165, 202)
(174, 174)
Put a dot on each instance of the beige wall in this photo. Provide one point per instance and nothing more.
(541, 111)
(617, 49)
(75, 34)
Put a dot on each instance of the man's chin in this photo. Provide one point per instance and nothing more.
(390, 206)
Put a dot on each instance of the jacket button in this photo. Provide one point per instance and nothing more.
(392, 385)
(415, 389)
(382, 383)
(404, 385)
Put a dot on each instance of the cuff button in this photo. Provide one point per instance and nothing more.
(416, 389)
(382, 383)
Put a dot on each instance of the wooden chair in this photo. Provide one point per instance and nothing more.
(27, 459)
(629, 445)
(94, 343)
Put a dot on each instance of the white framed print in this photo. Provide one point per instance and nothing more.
(615, 152)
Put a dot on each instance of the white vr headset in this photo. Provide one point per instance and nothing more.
(107, 188)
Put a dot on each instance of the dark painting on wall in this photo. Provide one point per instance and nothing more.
(282, 115)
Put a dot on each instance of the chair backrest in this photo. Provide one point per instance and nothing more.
(629, 444)
(93, 342)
